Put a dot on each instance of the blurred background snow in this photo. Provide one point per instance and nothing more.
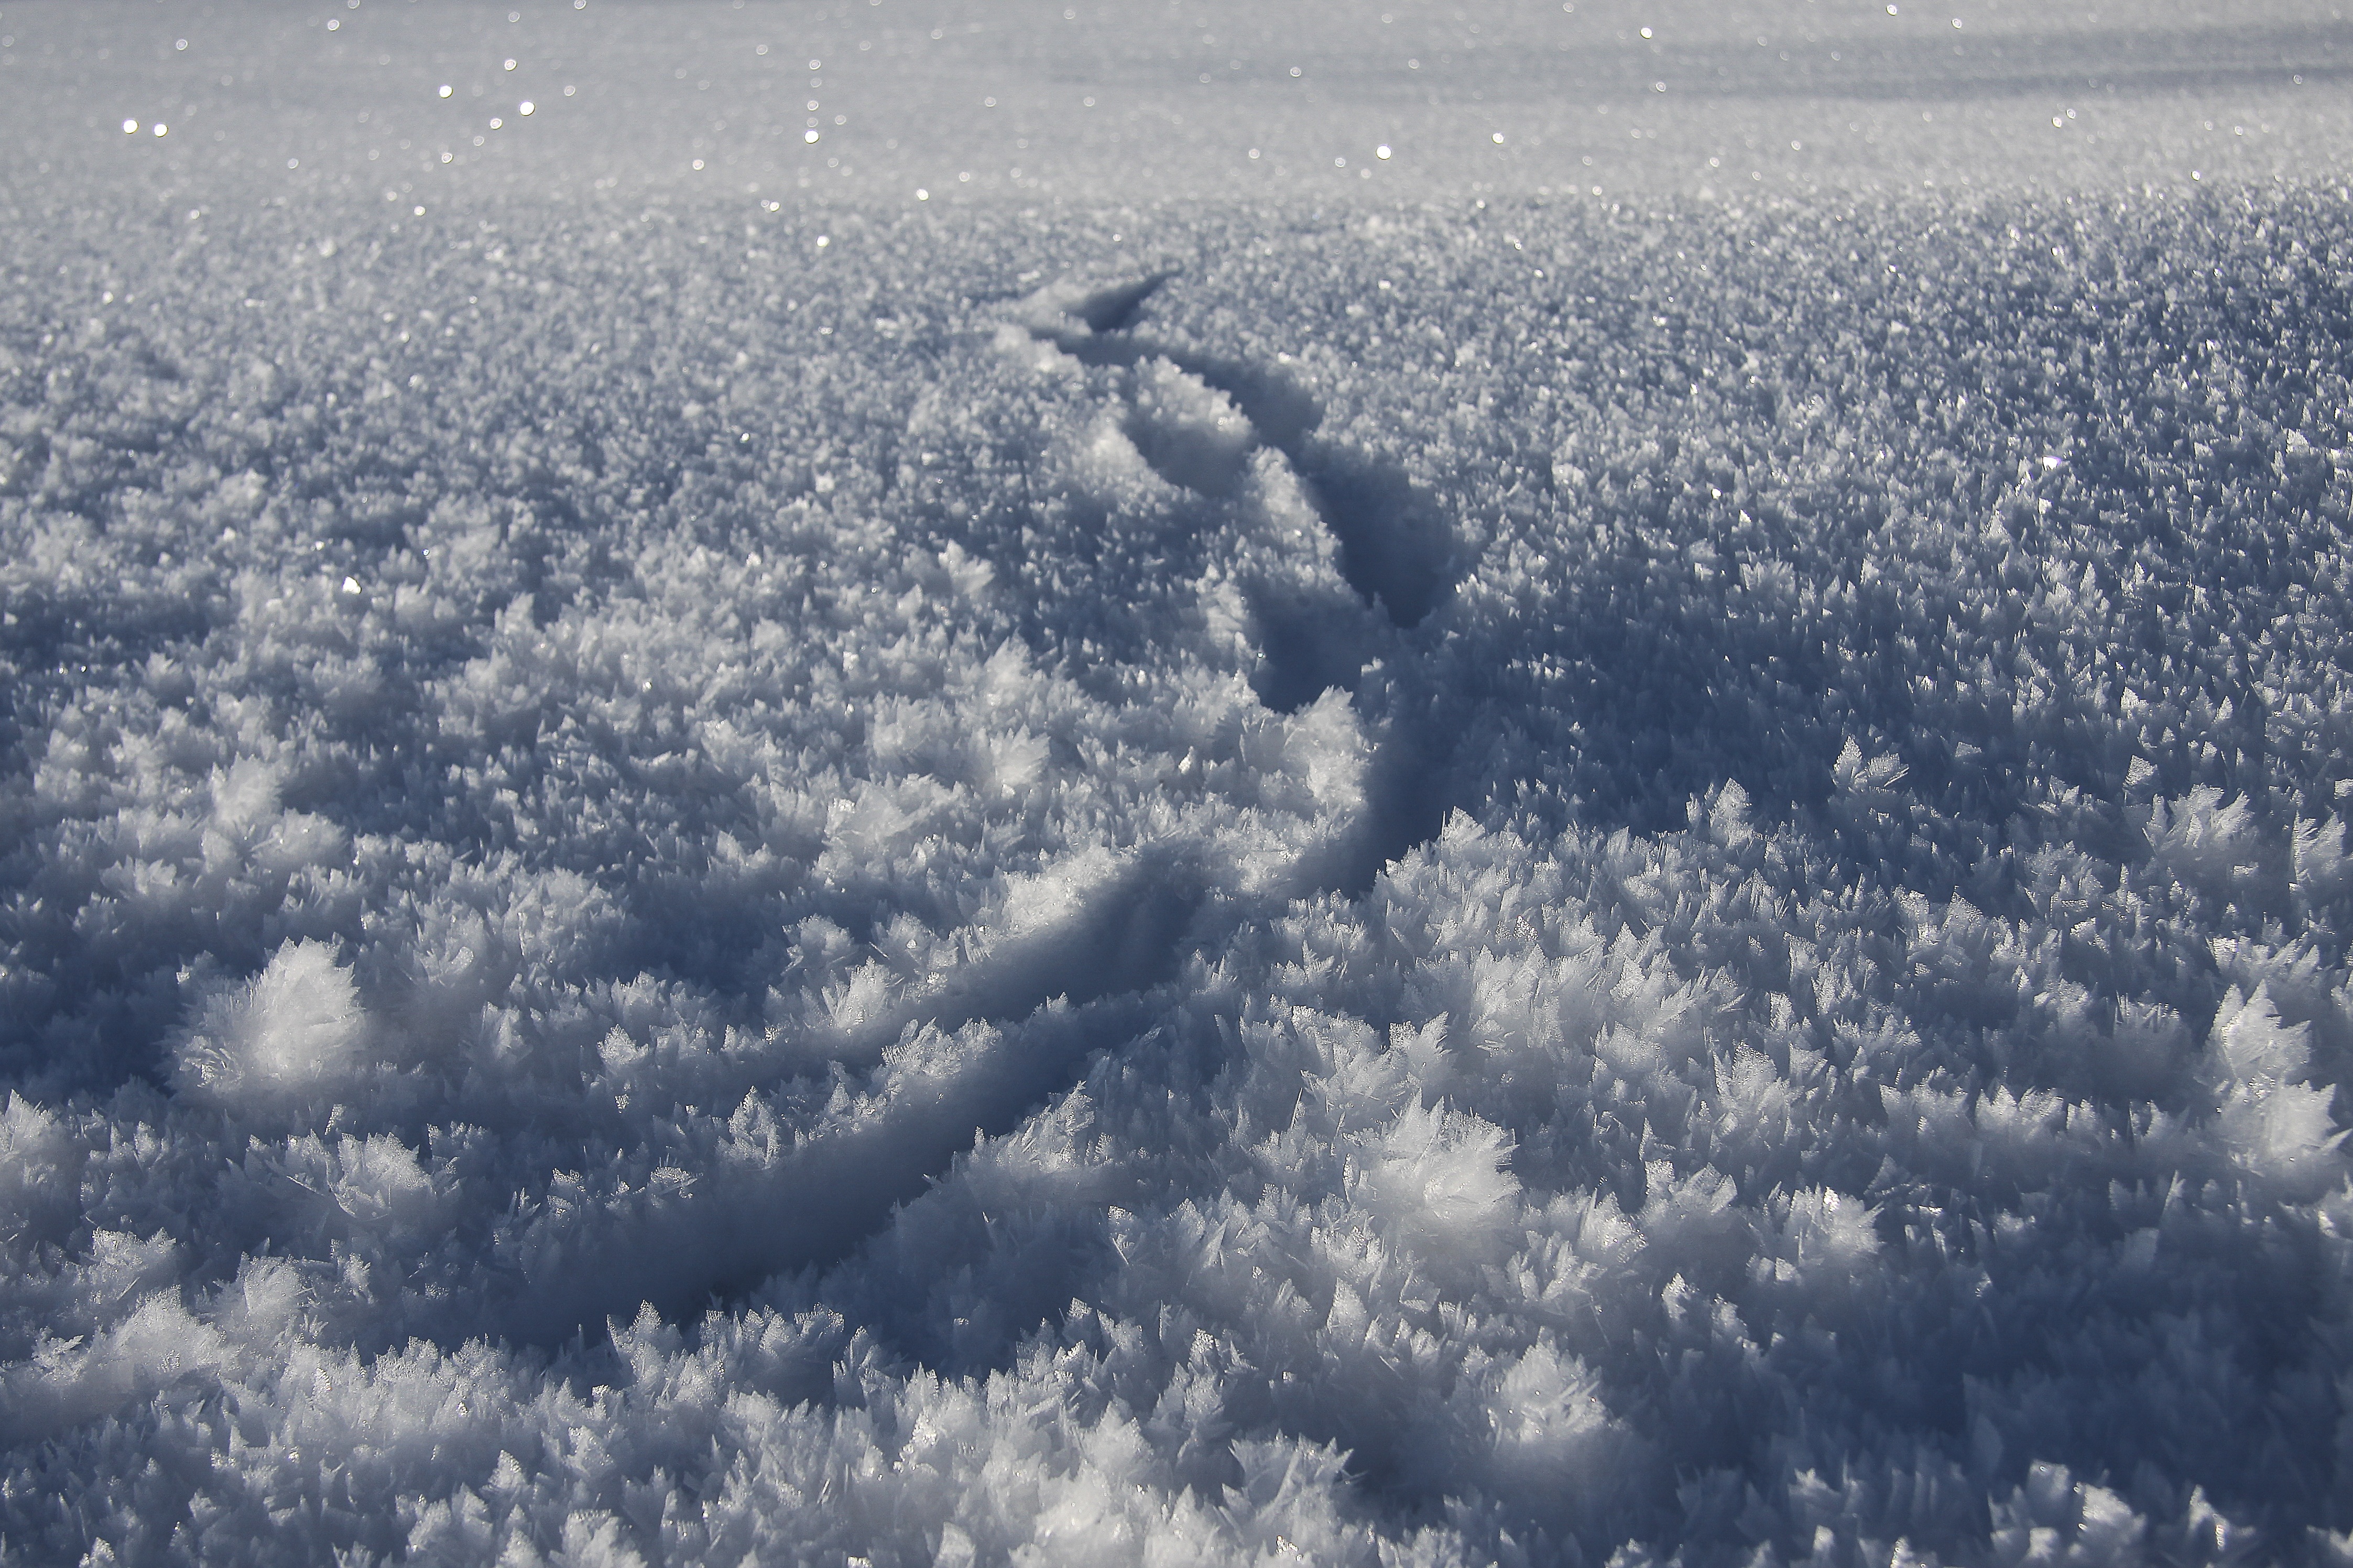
(858, 782)
(1161, 102)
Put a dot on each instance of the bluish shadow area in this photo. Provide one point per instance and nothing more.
(1300, 658)
(1396, 548)
(1114, 310)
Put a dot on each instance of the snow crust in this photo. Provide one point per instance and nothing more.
(1523, 878)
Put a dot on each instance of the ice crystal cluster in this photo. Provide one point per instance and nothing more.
(1057, 878)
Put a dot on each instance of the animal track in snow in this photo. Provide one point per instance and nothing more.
(899, 1075)
(1241, 434)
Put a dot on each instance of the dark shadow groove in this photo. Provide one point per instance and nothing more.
(1297, 661)
(1396, 549)
(1112, 310)
(1406, 804)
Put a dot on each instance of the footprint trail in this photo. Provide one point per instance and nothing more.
(1312, 612)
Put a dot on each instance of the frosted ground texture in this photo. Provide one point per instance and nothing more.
(1219, 859)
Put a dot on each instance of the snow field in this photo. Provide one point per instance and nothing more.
(1603, 884)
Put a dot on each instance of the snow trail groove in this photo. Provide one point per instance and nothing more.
(969, 1060)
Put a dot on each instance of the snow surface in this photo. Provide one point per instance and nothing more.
(1620, 838)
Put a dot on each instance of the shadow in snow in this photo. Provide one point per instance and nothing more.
(1113, 310)
(1396, 548)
